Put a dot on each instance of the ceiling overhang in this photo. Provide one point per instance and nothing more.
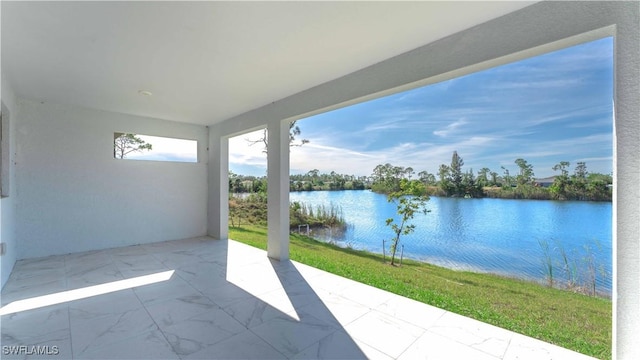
(205, 62)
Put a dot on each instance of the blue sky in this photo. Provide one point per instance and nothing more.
(550, 108)
(167, 149)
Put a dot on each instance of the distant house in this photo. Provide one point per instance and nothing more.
(545, 182)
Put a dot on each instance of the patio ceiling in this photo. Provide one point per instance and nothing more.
(206, 62)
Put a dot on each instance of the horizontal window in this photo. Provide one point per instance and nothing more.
(144, 147)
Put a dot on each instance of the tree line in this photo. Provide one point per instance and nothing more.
(452, 181)
(311, 181)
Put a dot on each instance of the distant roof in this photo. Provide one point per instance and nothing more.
(545, 180)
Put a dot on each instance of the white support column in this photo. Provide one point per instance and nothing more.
(626, 193)
(218, 204)
(278, 190)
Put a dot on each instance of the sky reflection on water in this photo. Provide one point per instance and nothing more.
(487, 235)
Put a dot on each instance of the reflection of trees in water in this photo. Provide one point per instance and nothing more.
(336, 235)
(451, 216)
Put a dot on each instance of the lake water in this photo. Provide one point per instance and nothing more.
(485, 235)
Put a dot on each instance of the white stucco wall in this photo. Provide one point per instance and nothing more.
(7, 204)
(72, 195)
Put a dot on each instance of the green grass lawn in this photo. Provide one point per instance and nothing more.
(573, 321)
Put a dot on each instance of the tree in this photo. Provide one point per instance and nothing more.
(598, 186)
(259, 186)
(236, 183)
(451, 176)
(507, 177)
(409, 199)
(562, 166)
(313, 174)
(294, 130)
(470, 186)
(494, 178)
(427, 178)
(560, 183)
(443, 174)
(124, 144)
(483, 179)
(408, 172)
(581, 171)
(386, 178)
(526, 172)
(456, 173)
(579, 178)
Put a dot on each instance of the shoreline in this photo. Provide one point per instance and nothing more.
(245, 194)
(559, 285)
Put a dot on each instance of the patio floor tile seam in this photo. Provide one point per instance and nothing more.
(69, 328)
(266, 341)
(155, 322)
(506, 349)
(409, 346)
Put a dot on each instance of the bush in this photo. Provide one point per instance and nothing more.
(252, 210)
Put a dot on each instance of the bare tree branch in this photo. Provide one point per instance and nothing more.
(294, 131)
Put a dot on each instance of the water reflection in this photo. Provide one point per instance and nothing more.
(488, 235)
(332, 234)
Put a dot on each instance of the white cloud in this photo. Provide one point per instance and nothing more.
(242, 151)
(537, 84)
(602, 121)
(327, 158)
(571, 114)
(593, 55)
(604, 158)
(450, 128)
(478, 151)
(385, 125)
(419, 155)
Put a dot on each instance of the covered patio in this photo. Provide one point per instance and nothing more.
(202, 298)
(73, 218)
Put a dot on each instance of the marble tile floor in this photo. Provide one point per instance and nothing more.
(208, 299)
